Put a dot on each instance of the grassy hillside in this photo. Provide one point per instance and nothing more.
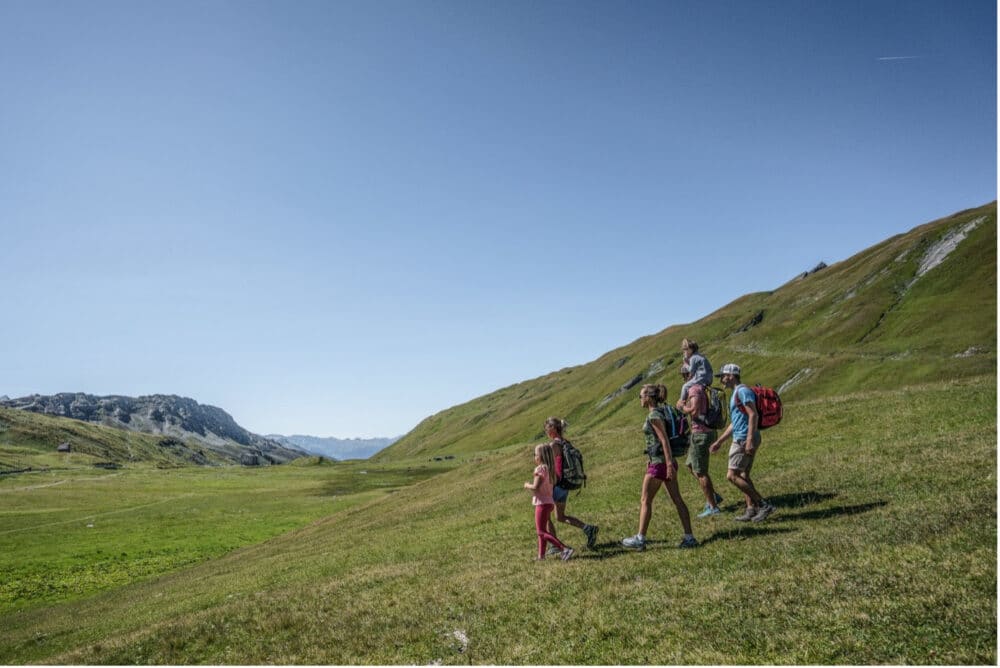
(866, 322)
(883, 548)
(883, 551)
(29, 440)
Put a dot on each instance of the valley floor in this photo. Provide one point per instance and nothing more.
(883, 550)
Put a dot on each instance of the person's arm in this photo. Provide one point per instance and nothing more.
(689, 406)
(722, 439)
(660, 430)
(534, 484)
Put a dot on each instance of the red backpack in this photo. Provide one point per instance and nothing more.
(768, 406)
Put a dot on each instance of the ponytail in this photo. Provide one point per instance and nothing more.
(558, 425)
(658, 393)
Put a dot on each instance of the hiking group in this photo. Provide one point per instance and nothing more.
(687, 429)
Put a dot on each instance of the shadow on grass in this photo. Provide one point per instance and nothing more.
(610, 550)
(827, 513)
(790, 500)
(785, 503)
(800, 499)
(745, 531)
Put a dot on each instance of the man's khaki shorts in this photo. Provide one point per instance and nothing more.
(739, 460)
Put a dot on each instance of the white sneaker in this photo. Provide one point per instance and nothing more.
(765, 510)
(636, 542)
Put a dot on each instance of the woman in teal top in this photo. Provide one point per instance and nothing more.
(662, 469)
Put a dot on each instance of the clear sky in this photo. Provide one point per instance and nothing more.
(337, 218)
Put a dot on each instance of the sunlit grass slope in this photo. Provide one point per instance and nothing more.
(29, 440)
(69, 533)
(882, 551)
(864, 323)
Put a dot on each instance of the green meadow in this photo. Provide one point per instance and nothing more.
(68, 533)
(883, 549)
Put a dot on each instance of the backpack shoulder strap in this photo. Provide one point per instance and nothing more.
(669, 414)
(736, 395)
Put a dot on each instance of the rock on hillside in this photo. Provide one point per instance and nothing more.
(167, 415)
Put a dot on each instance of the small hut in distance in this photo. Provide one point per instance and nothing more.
(64, 447)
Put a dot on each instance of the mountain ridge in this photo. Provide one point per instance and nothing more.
(171, 416)
(336, 448)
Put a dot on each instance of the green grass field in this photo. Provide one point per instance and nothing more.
(72, 532)
(883, 551)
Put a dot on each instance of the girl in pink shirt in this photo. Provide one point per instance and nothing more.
(544, 504)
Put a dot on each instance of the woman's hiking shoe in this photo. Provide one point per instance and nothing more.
(689, 541)
(765, 510)
(636, 542)
(566, 554)
(709, 511)
(748, 514)
(591, 532)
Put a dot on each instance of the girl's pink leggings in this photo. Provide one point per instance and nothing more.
(542, 513)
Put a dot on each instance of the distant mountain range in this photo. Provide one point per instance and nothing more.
(178, 418)
(335, 448)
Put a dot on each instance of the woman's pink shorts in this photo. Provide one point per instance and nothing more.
(658, 471)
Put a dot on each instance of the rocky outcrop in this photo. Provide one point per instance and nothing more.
(819, 267)
(180, 419)
(940, 250)
(629, 384)
(753, 322)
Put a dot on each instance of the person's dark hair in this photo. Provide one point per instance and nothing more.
(658, 393)
(557, 425)
(690, 344)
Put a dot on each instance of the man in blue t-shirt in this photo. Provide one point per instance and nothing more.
(742, 427)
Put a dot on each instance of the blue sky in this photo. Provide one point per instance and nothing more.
(338, 218)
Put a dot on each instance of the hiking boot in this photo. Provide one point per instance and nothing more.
(566, 554)
(636, 542)
(552, 551)
(748, 514)
(688, 542)
(591, 532)
(765, 510)
(709, 511)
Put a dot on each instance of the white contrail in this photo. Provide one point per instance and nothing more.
(898, 58)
